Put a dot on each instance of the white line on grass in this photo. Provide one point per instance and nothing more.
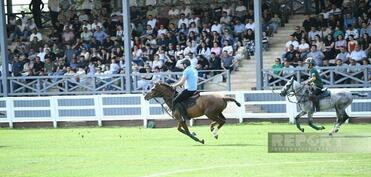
(241, 165)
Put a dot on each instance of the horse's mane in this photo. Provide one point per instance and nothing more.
(167, 85)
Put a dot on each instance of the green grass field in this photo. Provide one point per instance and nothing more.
(240, 151)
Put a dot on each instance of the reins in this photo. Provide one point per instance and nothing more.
(164, 108)
(295, 93)
(167, 110)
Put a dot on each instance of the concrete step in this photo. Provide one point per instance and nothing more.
(245, 78)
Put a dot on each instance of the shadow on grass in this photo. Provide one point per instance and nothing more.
(4, 146)
(229, 145)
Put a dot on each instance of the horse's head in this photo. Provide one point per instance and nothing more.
(288, 87)
(159, 90)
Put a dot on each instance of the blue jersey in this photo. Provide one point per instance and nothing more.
(190, 74)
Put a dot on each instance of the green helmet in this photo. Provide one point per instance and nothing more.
(310, 60)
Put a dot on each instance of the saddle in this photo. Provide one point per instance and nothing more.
(191, 101)
(324, 93)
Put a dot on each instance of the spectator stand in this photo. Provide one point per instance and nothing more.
(338, 35)
(101, 84)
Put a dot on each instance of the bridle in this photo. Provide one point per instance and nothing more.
(296, 93)
(167, 109)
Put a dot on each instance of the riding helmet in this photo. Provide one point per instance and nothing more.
(186, 62)
(310, 60)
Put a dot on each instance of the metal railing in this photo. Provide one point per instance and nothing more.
(105, 84)
(331, 76)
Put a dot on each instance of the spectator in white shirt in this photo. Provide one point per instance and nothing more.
(186, 11)
(225, 18)
(86, 25)
(216, 27)
(151, 2)
(303, 48)
(358, 55)
(312, 34)
(334, 10)
(250, 25)
(227, 8)
(86, 35)
(161, 31)
(189, 49)
(87, 6)
(343, 55)
(95, 24)
(151, 21)
(182, 20)
(194, 19)
(119, 33)
(114, 67)
(351, 31)
(227, 47)
(36, 34)
(293, 42)
(240, 10)
(173, 12)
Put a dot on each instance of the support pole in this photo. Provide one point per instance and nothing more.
(127, 47)
(4, 50)
(258, 43)
(9, 7)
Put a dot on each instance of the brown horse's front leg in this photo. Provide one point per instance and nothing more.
(185, 131)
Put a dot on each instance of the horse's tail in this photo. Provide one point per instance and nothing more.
(359, 94)
(227, 99)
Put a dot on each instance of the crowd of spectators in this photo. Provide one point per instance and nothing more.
(87, 40)
(337, 37)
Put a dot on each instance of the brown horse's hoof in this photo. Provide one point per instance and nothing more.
(202, 141)
(216, 137)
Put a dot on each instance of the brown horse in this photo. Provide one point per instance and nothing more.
(210, 105)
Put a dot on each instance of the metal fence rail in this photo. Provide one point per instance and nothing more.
(331, 76)
(103, 84)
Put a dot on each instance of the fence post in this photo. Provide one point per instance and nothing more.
(265, 79)
(240, 97)
(145, 110)
(365, 78)
(10, 111)
(98, 103)
(291, 110)
(54, 111)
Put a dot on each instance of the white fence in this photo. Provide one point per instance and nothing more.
(102, 108)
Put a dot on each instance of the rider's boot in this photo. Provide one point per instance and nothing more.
(315, 101)
(182, 111)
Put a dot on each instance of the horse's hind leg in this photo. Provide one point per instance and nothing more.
(311, 123)
(218, 121)
(212, 125)
(222, 122)
(341, 117)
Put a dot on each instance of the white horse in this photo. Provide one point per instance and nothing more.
(339, 100)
